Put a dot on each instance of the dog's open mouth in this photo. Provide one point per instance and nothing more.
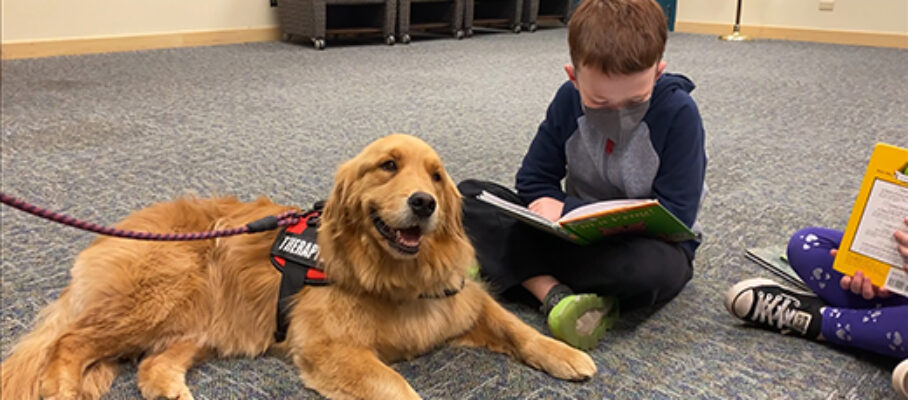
(404, 240)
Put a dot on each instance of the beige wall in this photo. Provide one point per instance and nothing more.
(35, 20)
(30, 20)
(890, 16)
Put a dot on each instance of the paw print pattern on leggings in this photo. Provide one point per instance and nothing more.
(817, 274)
(810, 240)
(872, 316)
(896, 342)
(843, 332)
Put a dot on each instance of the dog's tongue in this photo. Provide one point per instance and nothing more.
(409, 237)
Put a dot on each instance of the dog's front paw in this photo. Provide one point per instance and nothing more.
(559, 359)
(54, 386)
(174, 389)
(176, 394)
(51, 392)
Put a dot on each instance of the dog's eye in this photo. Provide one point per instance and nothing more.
(436, 177)
(389, 166)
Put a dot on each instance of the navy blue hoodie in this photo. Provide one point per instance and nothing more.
(664, 157)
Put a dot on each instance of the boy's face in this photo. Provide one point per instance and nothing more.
(598, 90)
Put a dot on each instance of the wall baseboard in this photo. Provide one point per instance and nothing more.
(92, 45)
(862, 38)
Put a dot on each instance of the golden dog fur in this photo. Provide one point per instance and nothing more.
(175, 304)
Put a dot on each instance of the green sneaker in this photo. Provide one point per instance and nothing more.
(581, 320)
(473, 272)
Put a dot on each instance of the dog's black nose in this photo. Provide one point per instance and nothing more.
(422, 204)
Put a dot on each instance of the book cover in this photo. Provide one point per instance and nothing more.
(597, 220)
(773, 259)
(881, 206)
(646, 217)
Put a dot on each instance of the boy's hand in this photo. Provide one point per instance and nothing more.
(547, 207)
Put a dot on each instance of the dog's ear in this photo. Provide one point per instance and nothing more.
(337, 205)
(452, 203)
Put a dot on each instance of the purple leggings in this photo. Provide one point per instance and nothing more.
(878, 325)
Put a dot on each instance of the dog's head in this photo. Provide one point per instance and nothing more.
(393, 208)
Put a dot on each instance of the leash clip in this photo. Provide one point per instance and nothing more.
(265, 224)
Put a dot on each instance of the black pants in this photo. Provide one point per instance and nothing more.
(640, 271)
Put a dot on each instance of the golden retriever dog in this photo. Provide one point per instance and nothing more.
(391, 244)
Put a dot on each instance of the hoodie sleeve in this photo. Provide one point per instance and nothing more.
(679, 182)
(544, 165)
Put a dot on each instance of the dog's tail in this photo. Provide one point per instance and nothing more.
(20, 373)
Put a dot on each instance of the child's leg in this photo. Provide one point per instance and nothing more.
(639, 271)
(631, 271)
(515, 259)
(771, 306)
(509, 252)
(808, 254)
(882, 330)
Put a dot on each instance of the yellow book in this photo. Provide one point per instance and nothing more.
(880, 209)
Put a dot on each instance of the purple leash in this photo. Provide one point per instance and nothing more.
(265, 224)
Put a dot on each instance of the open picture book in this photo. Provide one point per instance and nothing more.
(595, 221)
(868, 244)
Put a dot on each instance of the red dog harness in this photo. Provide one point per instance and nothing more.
(295, 255)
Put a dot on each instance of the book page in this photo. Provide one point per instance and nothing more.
(526, 215)
(515, 208)
(602, 206)
(886, 208)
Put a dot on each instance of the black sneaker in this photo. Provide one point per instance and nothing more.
(769, 305)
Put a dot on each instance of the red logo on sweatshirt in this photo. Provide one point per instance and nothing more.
(609, 146)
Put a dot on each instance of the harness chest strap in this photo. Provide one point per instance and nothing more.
(295, 255)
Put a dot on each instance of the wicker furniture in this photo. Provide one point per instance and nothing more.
(429, 15)
(546, 10)
(315, 19)
(492, 13)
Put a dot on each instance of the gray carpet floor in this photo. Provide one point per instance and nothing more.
(790, 127)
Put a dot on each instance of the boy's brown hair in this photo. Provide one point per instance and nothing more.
(619, 37)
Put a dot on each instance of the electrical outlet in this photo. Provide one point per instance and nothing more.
(827, 5)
